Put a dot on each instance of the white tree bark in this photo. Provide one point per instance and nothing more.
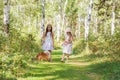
(87, 22)
(6, 16)
(95, 25)
(61, 17)
(79, 21)
(113, 20)
(86, 28)
(58, 27)
(64, 14)
(43, 17)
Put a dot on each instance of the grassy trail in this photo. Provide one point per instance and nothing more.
(76, 69)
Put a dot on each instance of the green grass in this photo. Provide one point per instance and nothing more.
(55, 70)
(78, 68)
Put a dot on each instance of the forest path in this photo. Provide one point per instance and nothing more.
(75, 69)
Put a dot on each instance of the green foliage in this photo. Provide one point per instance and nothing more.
(1, 15)
(11, 64)
(71, 12)
(106, 44)
(16, 51)
(107, 70)
(16, 42)
(79, 46)
(103, 52)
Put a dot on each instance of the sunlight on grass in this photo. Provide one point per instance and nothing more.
(78, 68)
(37, 78)
(55, 70)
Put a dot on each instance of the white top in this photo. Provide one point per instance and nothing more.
(67, 49)
(48, 43)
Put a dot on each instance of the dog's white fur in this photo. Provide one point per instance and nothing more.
(47, 52)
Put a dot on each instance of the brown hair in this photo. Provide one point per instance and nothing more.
(71, 36)
(47, 30)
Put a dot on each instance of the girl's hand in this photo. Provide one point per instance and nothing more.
(70, 40)
(42, 42)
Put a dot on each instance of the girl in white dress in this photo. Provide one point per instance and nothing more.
(67, 45)
(48, 40)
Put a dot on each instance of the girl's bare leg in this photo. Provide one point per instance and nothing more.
(67, 58)
(63, 56)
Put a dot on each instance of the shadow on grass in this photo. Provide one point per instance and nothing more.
(89, 57)
(58, 72)
(56, 55)
(92, 57)
(1, 78)
(108, 70)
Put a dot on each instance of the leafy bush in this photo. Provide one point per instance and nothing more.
(11, 64)
(79, 46)
(18, 42)
(15, 52)
(106, 44)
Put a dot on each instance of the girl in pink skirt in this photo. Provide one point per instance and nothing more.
(67, 45)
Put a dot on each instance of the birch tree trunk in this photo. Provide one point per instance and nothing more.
(87, 22)
(43, 17)
(6, 16)
(59, 21)
(113, 19)
(58, 28)
(95, 24)
(79, 21)
(86, 28)
(64, 14)
(61, 17)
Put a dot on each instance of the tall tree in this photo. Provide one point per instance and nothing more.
(113, 19)
(79, 21)
(6, 16)
(64, 14)
(87, 22)
(58, 27)
(59, 20)
(43, 17)
(95, 24)
(78, 31)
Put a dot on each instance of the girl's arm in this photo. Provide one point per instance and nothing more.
(70, 40)
(53, 38)
(43, 37)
